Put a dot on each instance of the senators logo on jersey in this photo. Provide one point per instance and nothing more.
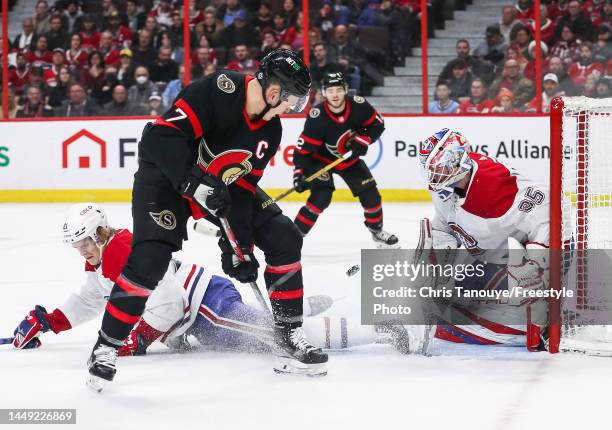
(339, 148)
(228, 165)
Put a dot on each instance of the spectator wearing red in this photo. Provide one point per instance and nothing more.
(108, 49)
(592, 9)
(514, 53)
(211, 27)
(40, 55)
(90, 36)
(294, 36)
(581, 24)
(51, 74)
(243, 62)
(212, 56)
(605, 15)
(547, 27)
(240, 32)
(524, 10)
(19, 76)
(144, 53)
(567, 48)
(556, 10)
(585, 66)
(530, 70)
(478, 101)
(196, 12)
(76, 57)
(504, 102)
(24, 40)
(508, 21)
(34, 106)
(163, 12)
(93, 74)
(263, 19)
(36, 78)
(57, 37)
(122, 35)
(551, 89)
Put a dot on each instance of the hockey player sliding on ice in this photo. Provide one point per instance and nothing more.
(338, 125)
(204, 157)
(188, 301)
(485, 205)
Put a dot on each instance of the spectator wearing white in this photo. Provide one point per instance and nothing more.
(550, 87)
(174, 87)
(24, 40)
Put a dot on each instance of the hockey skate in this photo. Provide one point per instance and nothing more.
(101, 366)
(295, 356)
(384, 239)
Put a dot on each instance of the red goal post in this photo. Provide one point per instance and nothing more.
(580, 223)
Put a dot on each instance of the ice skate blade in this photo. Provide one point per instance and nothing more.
(290, 366)
(95, 383)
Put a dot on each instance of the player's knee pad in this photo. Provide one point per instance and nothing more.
(148, 263)
(280, 240)
(370, 198)
(220, 295)
(321, 197)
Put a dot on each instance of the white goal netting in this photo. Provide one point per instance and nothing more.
(586, 225)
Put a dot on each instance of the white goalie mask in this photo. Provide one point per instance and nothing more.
(445, 158)
(83, 221)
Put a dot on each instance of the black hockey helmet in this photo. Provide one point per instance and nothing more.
(288, 69)
(334, 80)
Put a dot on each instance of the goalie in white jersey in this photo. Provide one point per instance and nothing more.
(188, 301)
(483, 206)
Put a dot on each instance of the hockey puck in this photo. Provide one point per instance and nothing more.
(354, 269)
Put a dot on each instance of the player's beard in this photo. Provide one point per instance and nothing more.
(340, 105)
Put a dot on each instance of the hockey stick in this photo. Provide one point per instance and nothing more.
(234, 244)
(316, 174)
(6, 340)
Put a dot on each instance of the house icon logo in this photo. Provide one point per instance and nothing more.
(88, 146)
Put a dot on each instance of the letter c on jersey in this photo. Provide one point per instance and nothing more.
(262, 145)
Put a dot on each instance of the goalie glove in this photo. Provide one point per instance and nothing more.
(434, 246)
(208, 191)
(529, 272)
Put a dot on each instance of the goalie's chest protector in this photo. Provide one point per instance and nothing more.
(488, 214)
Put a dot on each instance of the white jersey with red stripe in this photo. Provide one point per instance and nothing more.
(499, 203)
(173, 305)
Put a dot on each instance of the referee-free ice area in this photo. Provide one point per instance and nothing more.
(373, 386)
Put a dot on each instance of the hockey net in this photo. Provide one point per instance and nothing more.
(581, 224)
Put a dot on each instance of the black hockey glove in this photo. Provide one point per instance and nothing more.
(299, 182)
(209, 191)
(244, 271)
(358, 145)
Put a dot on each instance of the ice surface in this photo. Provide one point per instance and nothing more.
(460, 387)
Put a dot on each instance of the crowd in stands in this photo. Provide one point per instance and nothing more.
(126, 57)
(499, 75)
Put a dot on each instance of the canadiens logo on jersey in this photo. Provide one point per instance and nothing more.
(225, 84)
(228, 165)
(339, 148)
(165, 219)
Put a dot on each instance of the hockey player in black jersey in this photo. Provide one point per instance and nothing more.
(203, 158)
(338, 125)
